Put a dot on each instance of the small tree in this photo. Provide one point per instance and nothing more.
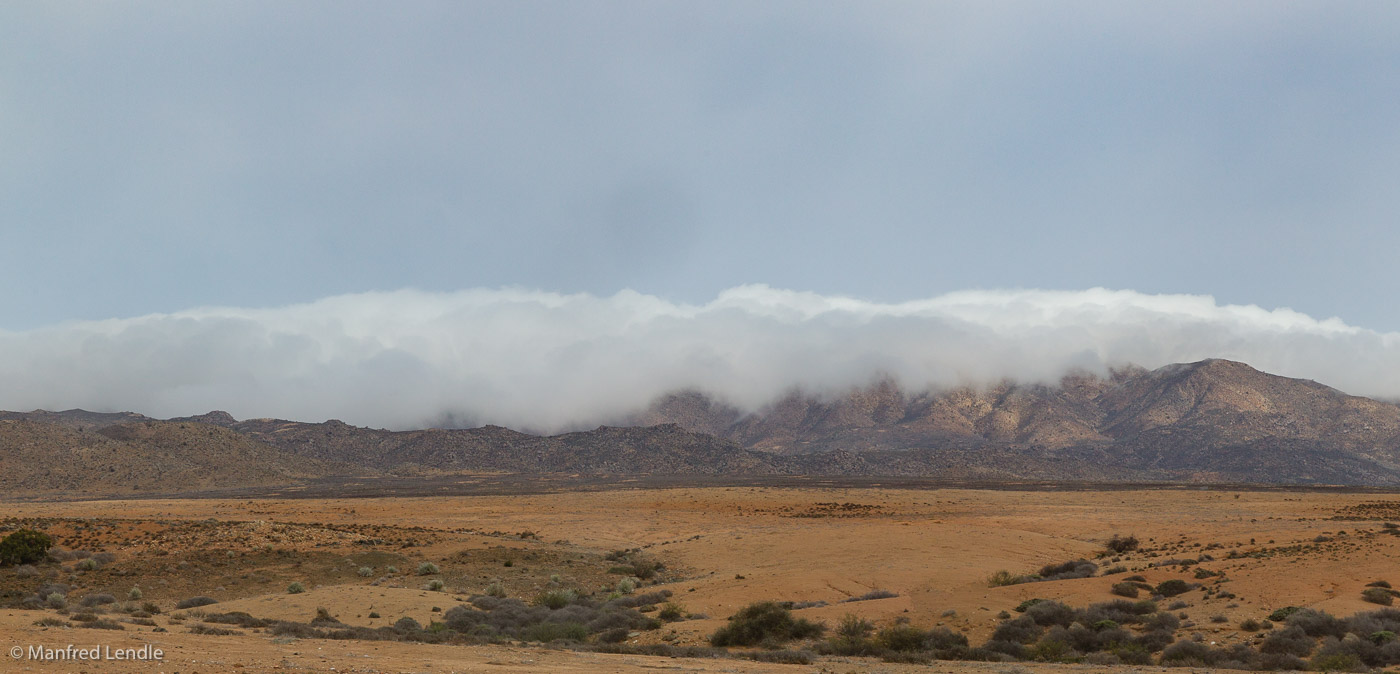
(25, 546)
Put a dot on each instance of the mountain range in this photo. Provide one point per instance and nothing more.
(1210, 421)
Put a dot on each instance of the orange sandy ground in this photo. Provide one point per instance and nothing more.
(733, 546)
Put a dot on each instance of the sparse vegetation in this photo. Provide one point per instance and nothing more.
(25, 546)
(296, 588)
(1121, 544)
(195, 602)
(764, 622)
(427, 569)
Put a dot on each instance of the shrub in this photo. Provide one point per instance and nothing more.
(854, 627)
(1250, 625)
(1317, 623)
(88, 564)
(495, 590)
(1173, 587)
(671, 612)
(1378, 595)
(56, 600)
(98, 599)
(434, 585)
(626, 586)
(1187, 654)
(25, 546)
(1379, 583)
(391, 569)
(1120, 544)
(134, 594)
(1051, 613)
(1125, 590)
(427, 569)
(763, 621)
(901, 638)
(1280, 615)
(546, 632)
(1003, 578)
(1021, 630)
(365, 571)
(556, 599)
(195, 602)
(871, 595)
(1290, 640)
(102, 625)
(296, 588)
(1079, 568)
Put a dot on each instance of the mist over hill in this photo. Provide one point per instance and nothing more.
(548, 363)
(1209, 421)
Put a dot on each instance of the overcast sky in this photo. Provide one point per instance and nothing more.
(162, 157)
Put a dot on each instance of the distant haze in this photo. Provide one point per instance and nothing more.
(548, 362)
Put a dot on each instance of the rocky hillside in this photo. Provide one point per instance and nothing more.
(1212, 421)
(146, 456)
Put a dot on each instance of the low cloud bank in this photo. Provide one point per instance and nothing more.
(549, 362)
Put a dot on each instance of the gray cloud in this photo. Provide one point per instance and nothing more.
(548, 361)
(156, 156)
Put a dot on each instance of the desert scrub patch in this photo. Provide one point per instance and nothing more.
(671, 612)
(434, 585)
(871, 595)
(761, 622)
(427, 569)
(200, 628)
(1004, 578)
(1129, 590)
(196, 602)
(556, 599)
(1120, 544)
(100, 599)
(1379, 595)
(296, 588)
(1173, 587)
(25, 546)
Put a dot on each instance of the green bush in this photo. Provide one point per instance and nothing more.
(1173, 587)
(671, 612)
(547, 632)
(25, 546)
(556, 599)
(296, 588)
(427, 569)
(763, 621)
(901, 638)
(1378, 595)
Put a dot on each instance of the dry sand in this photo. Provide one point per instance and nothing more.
(724, 548)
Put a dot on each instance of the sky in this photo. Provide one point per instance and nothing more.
(167, 164)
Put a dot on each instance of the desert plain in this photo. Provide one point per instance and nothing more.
(1247, 552)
